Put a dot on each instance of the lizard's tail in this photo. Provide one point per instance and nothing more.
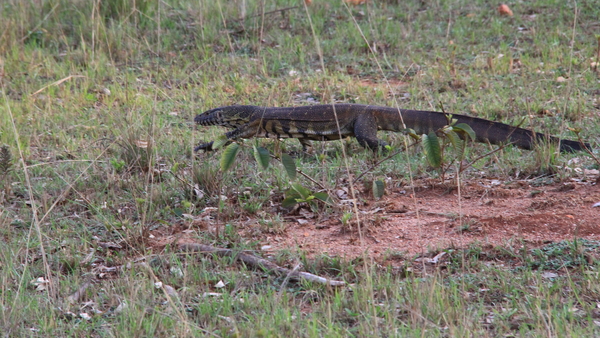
(498, 133)
(487, 131)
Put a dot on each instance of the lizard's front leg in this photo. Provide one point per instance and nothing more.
(248, 130)
(204, 146)
(365, 131)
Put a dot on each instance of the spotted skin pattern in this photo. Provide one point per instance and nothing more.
(333, 122)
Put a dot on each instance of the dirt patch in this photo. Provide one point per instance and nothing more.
(489, 213)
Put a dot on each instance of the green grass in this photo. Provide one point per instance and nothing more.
(102, 101)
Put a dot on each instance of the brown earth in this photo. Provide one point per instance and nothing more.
(490, 215)
(490, 212)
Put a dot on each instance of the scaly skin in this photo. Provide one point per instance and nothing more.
(332, 122)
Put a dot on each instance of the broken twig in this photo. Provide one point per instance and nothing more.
(259, 263)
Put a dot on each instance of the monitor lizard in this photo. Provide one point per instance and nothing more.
(318, 123)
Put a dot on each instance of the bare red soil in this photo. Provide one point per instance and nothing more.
(488, 212)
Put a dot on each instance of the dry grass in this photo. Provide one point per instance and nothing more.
(96, 109)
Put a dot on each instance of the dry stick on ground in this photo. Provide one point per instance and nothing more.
(381, 161)
(287, 279)
(463, 168)
(376, 165)
(259, 263)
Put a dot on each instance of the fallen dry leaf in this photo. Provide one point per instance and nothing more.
(504, 10)
(211, 294)
(41, 283)
(549, 275)
(85, 316)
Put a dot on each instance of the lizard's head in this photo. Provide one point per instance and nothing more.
(231, 116)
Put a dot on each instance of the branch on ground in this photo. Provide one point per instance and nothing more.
(258, 262)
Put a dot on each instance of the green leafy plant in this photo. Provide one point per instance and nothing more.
(299, 194)
(117, 164)
(432, 149)
(219, 142)
(228, 156)
(435, 144)
(378, 189)
(346, 217)
(289, 165)
(262, 156)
